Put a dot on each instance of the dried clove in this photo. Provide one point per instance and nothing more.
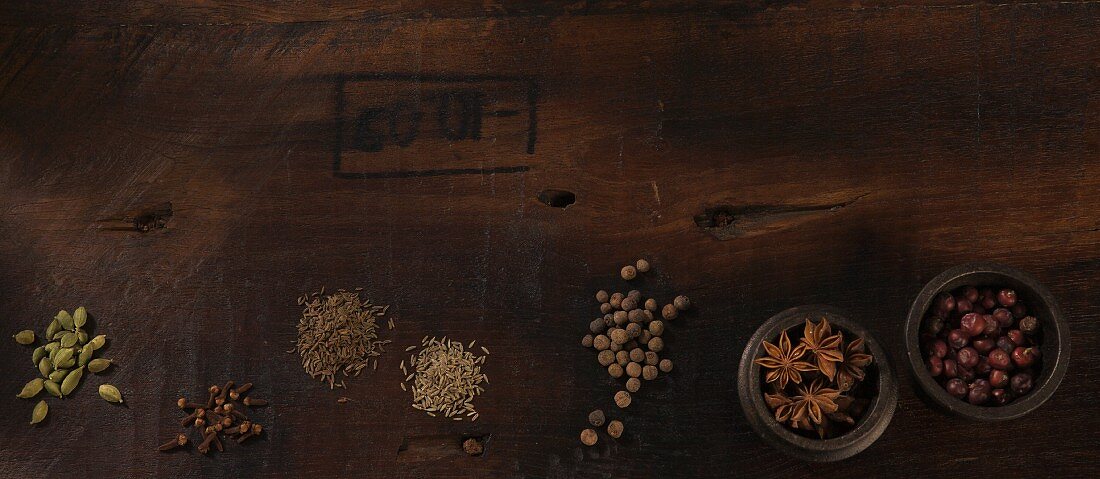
(250, 402)
(177, 441)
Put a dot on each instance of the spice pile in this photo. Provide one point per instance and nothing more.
(339, 332)
(981, 345)
(221, 415)
(445, 378)
(629, 340)
(816, 385)
(63, 359)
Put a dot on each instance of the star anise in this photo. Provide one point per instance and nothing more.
(814, 401)
(820, 341)
(851, 369)
(785, 364)
(781, 404)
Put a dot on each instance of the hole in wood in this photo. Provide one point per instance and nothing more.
(557, 198)
(439, 446)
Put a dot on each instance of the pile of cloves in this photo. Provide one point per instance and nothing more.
(221, 415)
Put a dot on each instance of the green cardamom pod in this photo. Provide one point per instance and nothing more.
(58, 335)
(80, 316)
(63, 354)
(85, 355)
(98, 342)
(52, 347)
(110, 393)
(39, 353)
(31, 389)
(68, 339)
(58, 375)
(71, 381)
(81, 336)
(40, 411)
(52, 388)
(53, 328)
(99, 364)
(45, 367)
(66, 364)
(24, 337)
(66, 320)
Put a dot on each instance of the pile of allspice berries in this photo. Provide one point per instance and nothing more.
(628, 338)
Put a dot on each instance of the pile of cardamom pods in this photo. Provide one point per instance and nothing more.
(63, 359)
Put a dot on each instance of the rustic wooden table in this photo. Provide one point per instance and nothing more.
(761, 154)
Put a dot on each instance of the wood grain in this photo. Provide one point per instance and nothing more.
(861, 151)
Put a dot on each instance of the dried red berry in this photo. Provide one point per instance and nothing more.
(1006, 297)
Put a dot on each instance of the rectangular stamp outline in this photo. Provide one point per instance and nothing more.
(341, 80)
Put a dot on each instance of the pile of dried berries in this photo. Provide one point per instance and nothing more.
(816, 386)
(445, 377)
(629, 340)
(222, 414)
(63, 359)
(338, 332)
(981, 345)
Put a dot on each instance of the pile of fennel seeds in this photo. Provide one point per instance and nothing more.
(446, 377)
(339, 333)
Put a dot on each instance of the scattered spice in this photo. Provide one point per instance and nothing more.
(338, 333)
(218, 419)
(821, 396)
(446, 378)
(62, 360)
(629, 336)
(473, 447)
(588, 437)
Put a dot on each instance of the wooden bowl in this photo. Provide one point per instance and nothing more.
(870, 426)
(1040, 303)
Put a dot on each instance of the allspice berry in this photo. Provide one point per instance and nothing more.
(649, 373)
(615, 347)
(633, 330)
(637, 295)
(651, 305)
(669, 312)
(596, 418)
(628, 272)
(619, 335)
(586, 341)
(656, 345)
(635, 316)
(633, 343)
(648, 315)
(602, 296)
(606, 308)
(633, 385)
(651, 357)
(615, 429)
(682, 302)
(629, 303)
(614, 370)
(634, 369)
(622, 357)
(620, 317)
(665, 365)
(637, 355)
(588, 437)
(622, 399)
(657, 328)
(597, 326)
(601, 342)
(642, 266)
(606, 357)
(645, 337)
(616, 300)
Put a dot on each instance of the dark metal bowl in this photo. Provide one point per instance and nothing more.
(870, 426)
(1040, 303)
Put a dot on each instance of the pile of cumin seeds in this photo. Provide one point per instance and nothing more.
(446, 377)
(339, 333)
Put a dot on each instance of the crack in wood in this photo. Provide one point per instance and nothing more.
(728, 222)
(141, 220)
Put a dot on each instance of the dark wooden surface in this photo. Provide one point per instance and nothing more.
(861, 147)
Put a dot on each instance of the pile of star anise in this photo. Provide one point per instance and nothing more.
(816, 385)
